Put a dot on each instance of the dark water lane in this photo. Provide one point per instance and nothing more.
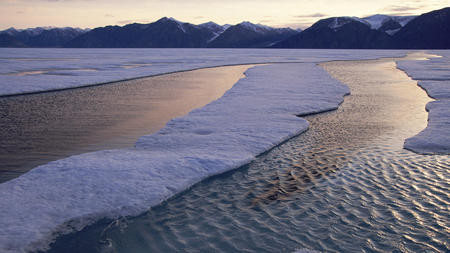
(346, 185)
(39, 128)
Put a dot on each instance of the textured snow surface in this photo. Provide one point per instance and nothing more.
(252, 117)
(35, 70)
(433, 76)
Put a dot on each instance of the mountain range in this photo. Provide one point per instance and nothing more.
(427, 31)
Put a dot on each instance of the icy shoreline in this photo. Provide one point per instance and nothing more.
(24, 71)
(257, 114)
(433, 76)
(254, 116)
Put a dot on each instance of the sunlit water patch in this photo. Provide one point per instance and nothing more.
(39, 128)
(346, 185)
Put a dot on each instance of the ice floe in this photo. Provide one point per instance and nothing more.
(435, 139)
(36, 70)
(258, 113)
(252, 117)
(434, 77)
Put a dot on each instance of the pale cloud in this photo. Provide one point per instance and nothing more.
(315, 15)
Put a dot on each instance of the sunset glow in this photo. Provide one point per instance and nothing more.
(292, 13)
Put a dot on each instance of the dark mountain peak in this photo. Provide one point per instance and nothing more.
(427, 31)
(337, 23)
(258, 28)
(247, 34)
(338, 32)
(163, 19)
(210, 24)
(170, 20)
(165, 32)
(213, 26)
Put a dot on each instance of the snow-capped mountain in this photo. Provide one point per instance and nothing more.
(385, 23)
(165, 32)
(215, 28)
(429, 30)
(169, 32)
(338, 32)
(247, 34)
(388, 24)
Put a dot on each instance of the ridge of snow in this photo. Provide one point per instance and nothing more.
(393, 31)
(179, 23)
(376, 21)
(226, 26)
(213, 27)
(403, 20)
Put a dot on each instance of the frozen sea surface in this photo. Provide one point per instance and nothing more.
(37, 70)
(434, 77)
(345, 185)
(257, 114)
(254, 116)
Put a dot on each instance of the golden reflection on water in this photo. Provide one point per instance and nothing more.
(43, 127)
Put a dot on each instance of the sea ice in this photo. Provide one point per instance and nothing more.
(35, 70)
(433, 76)
(252, 117)
(435, 139)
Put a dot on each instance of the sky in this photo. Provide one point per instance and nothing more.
(278, 13)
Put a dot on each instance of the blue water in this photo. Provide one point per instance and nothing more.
(346, 185)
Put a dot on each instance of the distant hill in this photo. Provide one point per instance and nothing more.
(427, 31)
(7, 40)
(338, 32)
(164, 33)
(38, 37)
(246, 34)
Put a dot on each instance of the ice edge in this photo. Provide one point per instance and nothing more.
(434, 78)
(255, 115)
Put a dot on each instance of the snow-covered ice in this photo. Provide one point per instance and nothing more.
(436, 89)
(435, 139)
(433, 76)
(252, 117)
(36, 70)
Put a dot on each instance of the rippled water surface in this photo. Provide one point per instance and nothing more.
(39, 128)
(346, 185)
